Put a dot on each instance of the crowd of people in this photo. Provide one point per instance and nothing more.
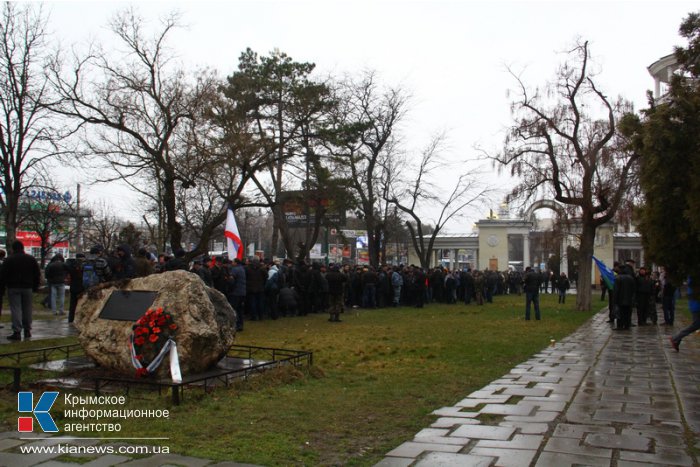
(637, 289)
(262, 289)
(259, 289)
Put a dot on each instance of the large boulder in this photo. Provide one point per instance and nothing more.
(205, 320)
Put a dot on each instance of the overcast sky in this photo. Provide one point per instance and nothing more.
(450, 55)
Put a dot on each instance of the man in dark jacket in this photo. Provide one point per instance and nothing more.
(56, 273)
(419, 278)
(20, 276)
(623, 294)
(124, 266)
(75, 271)
(255, 277)
(236, 293)
(645, 293)
(177, 262)
(336, 283)
(531, 286)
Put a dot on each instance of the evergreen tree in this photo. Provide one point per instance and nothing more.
(668, 140)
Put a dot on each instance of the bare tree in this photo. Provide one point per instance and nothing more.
(366, 123)
(133, 110)
(417, 193)
(565, 145)
(102, 227)
(28, 132)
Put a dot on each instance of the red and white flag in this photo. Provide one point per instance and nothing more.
(234, 245)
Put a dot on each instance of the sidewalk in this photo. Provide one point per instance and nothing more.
(42, 329)
(598, 397)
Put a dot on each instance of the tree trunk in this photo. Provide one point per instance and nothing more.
(583, 284)
(174, 227)
(10, 221)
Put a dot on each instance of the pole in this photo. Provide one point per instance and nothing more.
(79, 225)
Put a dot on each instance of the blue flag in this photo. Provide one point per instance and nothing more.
(606, 273)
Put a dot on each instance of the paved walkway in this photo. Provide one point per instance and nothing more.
(599, 397)
(42, 329)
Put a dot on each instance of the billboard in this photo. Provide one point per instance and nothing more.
(299, 208)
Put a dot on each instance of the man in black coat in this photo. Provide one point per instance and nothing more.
(336, 284)
(623, 293)
(20, 276)
(531, 286)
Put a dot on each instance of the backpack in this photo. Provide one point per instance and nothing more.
(90, 277)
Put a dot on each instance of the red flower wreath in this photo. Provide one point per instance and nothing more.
(150, 333)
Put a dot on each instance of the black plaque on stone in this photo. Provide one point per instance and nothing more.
(127, 305)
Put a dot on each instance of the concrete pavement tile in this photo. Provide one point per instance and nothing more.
(485, 394)
(540, 379)
(551, 397)
(507, 409)
(441, 459)
(9, 443)
(657, 414)
(513, 391)
(484, 432)
(427, 432)
(574, 446)
(454, 412)
(411, 449)
(580, 417)
(470, 402)
(527, 428)
(560, 459)
(394, 462)
(552, 406)
(621, 417)
(554, 389)
(568, 382)
(509, 382)
(24, 460)
(442, 440)
(540, 416)
(449, 422)
(665, 456)
(631, 398)
(529, 442)
(621, 463)
(160, 460)
(506, 457)
(614, 441)
(591, 407)
(566, 430)
(660, 438)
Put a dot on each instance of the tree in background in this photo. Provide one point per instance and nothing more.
(133, 111)
(50, 214)
(417, 193)
(101, 228)
(286, 110)
(28, 132)
(565, 146)
(366, 126)
(668, 140)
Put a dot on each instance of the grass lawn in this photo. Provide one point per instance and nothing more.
(376, 378)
